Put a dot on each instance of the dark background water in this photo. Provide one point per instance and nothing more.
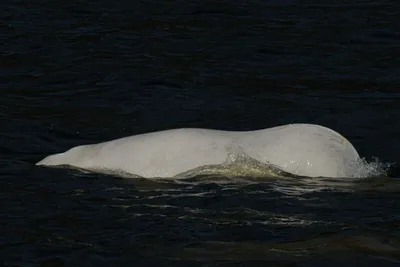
(89, 71)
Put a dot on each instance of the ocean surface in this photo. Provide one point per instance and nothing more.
(80, 72)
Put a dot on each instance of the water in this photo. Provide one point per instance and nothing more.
(84, 72)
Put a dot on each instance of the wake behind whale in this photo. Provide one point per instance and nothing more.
(288, 150)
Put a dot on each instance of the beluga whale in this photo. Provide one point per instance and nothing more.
(298, 149)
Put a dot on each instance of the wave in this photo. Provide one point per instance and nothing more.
(240, 166)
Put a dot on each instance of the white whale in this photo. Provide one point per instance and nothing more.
(300, 149)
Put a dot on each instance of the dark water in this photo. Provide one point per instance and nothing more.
(88, 71)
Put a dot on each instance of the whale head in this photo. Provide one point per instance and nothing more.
(76, 156)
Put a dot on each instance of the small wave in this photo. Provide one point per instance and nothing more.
(365, 169)
(237, 165)
(241, 165)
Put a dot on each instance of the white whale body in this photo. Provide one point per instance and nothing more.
(300, 149)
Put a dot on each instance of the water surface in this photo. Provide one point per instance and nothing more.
(85, 72)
